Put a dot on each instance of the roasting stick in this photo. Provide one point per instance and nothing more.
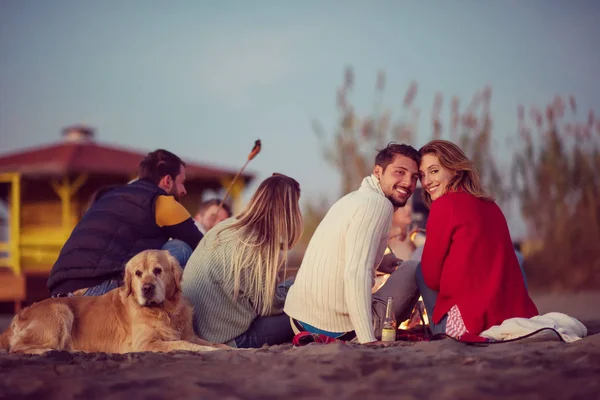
(253, 153)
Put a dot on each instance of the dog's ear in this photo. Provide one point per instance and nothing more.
(176, 270)
(127, 281)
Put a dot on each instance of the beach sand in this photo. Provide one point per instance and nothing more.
(536, 368)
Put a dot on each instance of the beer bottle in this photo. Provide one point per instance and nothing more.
(389, 326)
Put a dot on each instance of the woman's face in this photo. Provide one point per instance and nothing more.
(434, 177)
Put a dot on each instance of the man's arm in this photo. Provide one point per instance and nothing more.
(176, 221)
(439, 235)
(365, 233)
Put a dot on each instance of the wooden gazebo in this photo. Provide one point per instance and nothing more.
(46, 190)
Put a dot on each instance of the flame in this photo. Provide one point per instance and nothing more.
(380, 280)
(425, 316)
(404, 325)
(415, 317)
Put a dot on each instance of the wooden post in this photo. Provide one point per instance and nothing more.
(13, 246)
(15, 225)
(13, 287)
(65, 191)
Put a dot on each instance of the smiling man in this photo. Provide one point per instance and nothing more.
(332, 293)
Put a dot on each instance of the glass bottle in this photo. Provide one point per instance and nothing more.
(389, 326)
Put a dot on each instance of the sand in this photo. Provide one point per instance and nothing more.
(537, 368)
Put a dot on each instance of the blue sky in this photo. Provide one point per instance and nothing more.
(205, 79)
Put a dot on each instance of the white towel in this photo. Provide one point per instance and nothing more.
(569, 328)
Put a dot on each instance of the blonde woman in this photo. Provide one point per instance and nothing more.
(469, 274)
(231, 278)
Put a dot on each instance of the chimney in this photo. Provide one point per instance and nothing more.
(78, 134)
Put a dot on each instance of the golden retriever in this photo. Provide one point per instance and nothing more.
(147, 313)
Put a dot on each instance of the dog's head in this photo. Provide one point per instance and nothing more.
(152, 277)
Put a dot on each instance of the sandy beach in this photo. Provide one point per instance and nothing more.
(536, 368)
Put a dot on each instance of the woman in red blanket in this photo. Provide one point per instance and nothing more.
(469, 275)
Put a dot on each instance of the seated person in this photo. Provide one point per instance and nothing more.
(231, 278)
(123, 221)
(209, 214)
(469, 275)
(332, 293)
(399, 241)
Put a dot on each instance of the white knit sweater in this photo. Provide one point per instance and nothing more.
(332, 290)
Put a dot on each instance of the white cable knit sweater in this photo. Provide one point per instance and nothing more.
(332, 290)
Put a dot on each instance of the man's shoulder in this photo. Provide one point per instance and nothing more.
(360, 202)
(166, 201)
(365, 197)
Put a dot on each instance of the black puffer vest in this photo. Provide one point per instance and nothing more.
(119, 225)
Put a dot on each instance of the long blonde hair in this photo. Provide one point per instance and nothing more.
(455, 160)
(269, 226)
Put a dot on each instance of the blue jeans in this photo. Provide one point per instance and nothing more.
(178, 249)
(102, 288)
(429, 299)
(271, 330)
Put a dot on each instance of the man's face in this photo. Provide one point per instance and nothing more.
(399, 179)
(213, 216)
(176, 187)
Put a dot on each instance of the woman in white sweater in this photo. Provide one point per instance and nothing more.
(231, 278)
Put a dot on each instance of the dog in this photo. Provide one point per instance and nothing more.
(147, 313)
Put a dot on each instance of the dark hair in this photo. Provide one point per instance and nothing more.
(159, 164)
(205, 205)
(386, 156)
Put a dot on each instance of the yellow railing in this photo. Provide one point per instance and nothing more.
(37, 247)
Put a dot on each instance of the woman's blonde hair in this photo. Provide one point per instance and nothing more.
(264, 231)
(453, 159)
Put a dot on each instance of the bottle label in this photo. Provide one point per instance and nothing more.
(388, 335)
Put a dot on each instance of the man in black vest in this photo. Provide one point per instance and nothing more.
(122, 222)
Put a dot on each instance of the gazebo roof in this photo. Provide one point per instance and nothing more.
(87, 156)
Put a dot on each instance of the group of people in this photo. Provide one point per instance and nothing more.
(468, 275)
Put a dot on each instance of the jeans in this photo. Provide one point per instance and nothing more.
(102, 288)
(178, 249)
(401, 286)
(429, 299)
(271, 330)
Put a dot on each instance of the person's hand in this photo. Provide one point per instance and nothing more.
(389, 263)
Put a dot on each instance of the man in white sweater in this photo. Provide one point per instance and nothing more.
(332, 291)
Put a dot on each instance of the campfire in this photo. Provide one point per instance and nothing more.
(417, 317)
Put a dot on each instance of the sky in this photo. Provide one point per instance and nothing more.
(205, 79)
